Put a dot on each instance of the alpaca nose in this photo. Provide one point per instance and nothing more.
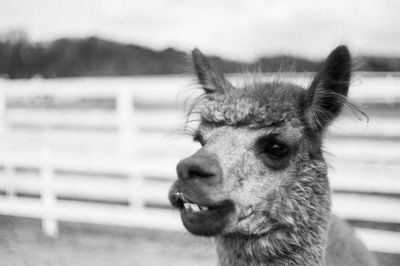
(200, 167)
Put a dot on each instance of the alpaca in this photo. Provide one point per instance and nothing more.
(259, 183)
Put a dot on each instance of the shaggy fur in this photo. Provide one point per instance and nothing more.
(261, 170)
(245, 106)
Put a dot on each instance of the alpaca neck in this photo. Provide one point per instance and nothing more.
(267, 250)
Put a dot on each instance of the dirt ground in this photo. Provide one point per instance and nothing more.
(23, 243)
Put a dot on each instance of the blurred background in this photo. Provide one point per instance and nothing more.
(92, 97)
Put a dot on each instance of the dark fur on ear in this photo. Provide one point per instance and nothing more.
(209, 79)
(327, 93)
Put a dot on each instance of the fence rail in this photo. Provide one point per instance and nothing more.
(113, 163)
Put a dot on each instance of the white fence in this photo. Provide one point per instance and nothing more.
(77, 150)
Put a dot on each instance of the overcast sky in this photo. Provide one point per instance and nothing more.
(234, 29)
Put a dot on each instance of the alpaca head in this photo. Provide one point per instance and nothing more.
(260, 167)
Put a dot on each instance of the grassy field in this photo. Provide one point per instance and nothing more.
(23, 243)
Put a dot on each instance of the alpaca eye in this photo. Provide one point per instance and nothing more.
(276, 150)
(268, 146)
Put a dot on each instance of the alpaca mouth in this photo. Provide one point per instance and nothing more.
(187, 205)
(202, 218)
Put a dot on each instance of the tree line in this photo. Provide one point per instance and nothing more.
(67, 57)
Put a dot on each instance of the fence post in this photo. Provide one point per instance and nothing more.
(128, 141)
(8, 169)
(3, 106)
(49, 222)
(10, 189)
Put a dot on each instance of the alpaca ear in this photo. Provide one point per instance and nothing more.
(327, 92)
(209, 79)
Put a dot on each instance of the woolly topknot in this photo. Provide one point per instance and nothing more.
(258, 105)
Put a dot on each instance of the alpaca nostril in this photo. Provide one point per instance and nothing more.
(198, 167)
(198, 173)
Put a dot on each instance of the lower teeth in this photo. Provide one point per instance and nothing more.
(194, 207)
